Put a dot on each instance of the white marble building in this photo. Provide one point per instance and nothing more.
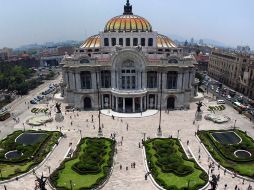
(128, 68)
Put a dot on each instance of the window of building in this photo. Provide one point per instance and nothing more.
(113, 41)
(121, 41)
(135, 41)
(128, 42)
(86, 81)
(128, 79)
(172, 80)
(106, 42)
(150, 42)
(105, 79)
(151, 79)
(143, 42)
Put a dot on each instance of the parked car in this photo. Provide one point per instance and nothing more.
(33, 102)
(220, 102)
(228, 97)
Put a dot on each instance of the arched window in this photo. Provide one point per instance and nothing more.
(128, 42)
(135, 41)
(121, 41)
(105, 79)
(84, 61)
(106, 42)
(143, 42)
(151, 79)
(86, 81)
(113, 41)
(172, 61)
(150, 42)
(172, 80)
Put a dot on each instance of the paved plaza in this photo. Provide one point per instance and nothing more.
(128, 140)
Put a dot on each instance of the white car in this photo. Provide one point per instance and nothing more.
(220, 102)
(228, 97)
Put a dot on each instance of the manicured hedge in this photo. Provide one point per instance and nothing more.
(90, 161)
(32, 154)
(224, 154)
(169, 153)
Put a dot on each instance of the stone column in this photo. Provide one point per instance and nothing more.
(78, 80)
(93, 76)
(124, 105)
(145, 103)
(133, 105)
(75, 81)
(179, 81)
(141, 104)
(117, 104)
(164, 81)
(102, 101)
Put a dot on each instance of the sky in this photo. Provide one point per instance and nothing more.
(38, 21)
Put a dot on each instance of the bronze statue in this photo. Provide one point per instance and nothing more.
(41, 182)
(200, 104)
(58, 107)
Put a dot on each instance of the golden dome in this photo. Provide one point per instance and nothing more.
(92, 42)
(165, 42)
(128, 23)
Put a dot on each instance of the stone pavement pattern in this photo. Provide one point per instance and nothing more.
(129, 151)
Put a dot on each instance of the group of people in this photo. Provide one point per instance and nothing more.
(133, 165)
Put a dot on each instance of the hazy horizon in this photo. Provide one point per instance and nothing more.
(34, 21)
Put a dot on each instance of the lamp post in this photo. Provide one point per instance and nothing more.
(159, 131)
(178, 131)
(100, 134)
(80, 132)
(234, 125)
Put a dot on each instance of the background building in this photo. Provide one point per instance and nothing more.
(129, 68)
(234, 69)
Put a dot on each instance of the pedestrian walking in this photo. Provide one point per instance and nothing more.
(120, 167)
(134, 164)
(127, 168)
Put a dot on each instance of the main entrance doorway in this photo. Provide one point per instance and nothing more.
(171, 103)
(128, 105)
(87, 103)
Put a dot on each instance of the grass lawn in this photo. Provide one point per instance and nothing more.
(170, 180)
(32, 154)
(65, 173)
(224, 154)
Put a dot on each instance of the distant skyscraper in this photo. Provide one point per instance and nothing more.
(201, 42)
(192, 41)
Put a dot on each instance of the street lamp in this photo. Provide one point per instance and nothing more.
(159, 131)
(100, 134)
(234, 125)
(80, 133)
(178, 131)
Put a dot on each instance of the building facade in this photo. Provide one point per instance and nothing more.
(128, 67)
(233, 69)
